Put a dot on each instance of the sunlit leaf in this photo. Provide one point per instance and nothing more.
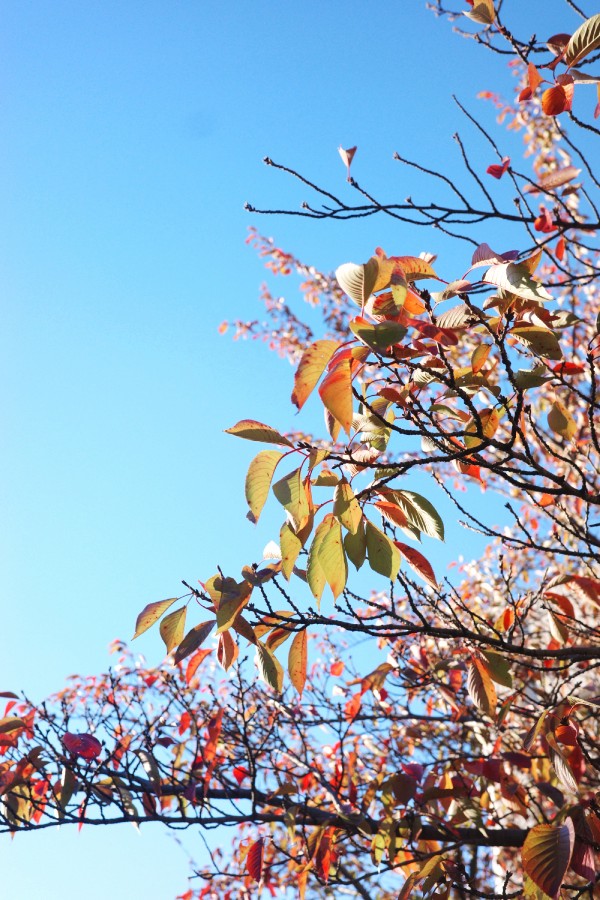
(482, 12)
(516, 278)
(257, 431)
(584, 41)
(312, 365)
(291, 493)
(359, 281)
(553, 180)
(479, 357)
(355, 546)
(561, 421)
(481, 687)
(384, 556)
(414, 267)
(346, 507)
(546, 855)
(151, 614)
(347, 157)
(420, 513)
(498, 667)
(269, 667)
(540, 341)
(172, 627)
(336, 393)
(418, 563)
(379, 336)
(258, 479)
(11, 723)
(297, 660)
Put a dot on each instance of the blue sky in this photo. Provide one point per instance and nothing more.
(132, 135)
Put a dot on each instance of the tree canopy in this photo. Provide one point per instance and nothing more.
(463, 762)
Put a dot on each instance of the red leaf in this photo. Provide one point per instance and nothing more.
(544, 221)
(353, 706)
(418, 563)
(195, 662)
(497, 171)
(84, 745)
(239, 773)
(337, 668)
(254, 860)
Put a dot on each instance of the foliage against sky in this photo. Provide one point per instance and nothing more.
(494, 373)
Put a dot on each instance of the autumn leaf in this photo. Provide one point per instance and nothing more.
(252, 430)
(384, 556)
(346, 507)
(561, 421)
(193, 639)
(297, 660)
(258, 480)
(291, 493)
(481, 687)
(418, 563)
(584, 41)
(255, 859)
(84, 745)
(347, 157)
(336, 393)
(151, 614)
(172, 627)
(482, 12)
(313, 363)
(497, 171)
(546, 855)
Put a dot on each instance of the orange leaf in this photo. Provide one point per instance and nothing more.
(312, 365)
(336, 393)
(297, 661)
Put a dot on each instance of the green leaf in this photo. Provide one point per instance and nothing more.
(516, 278)
(312, 365)
(327, 560)
(420, 513)
(529, 378)
(379, 336)
(297, 659)
(585, 39)
(291, 545)
(346, 507)
(258, 479)
(498, 668)
(355, 545)
(384, 556)
(540, 341)
(193, 639)
(291, 493)
(546, 855)
(269, 667)
(171, 628)
(252, 430)
(151, 614)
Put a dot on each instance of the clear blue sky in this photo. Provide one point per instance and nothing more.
(132, 135)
